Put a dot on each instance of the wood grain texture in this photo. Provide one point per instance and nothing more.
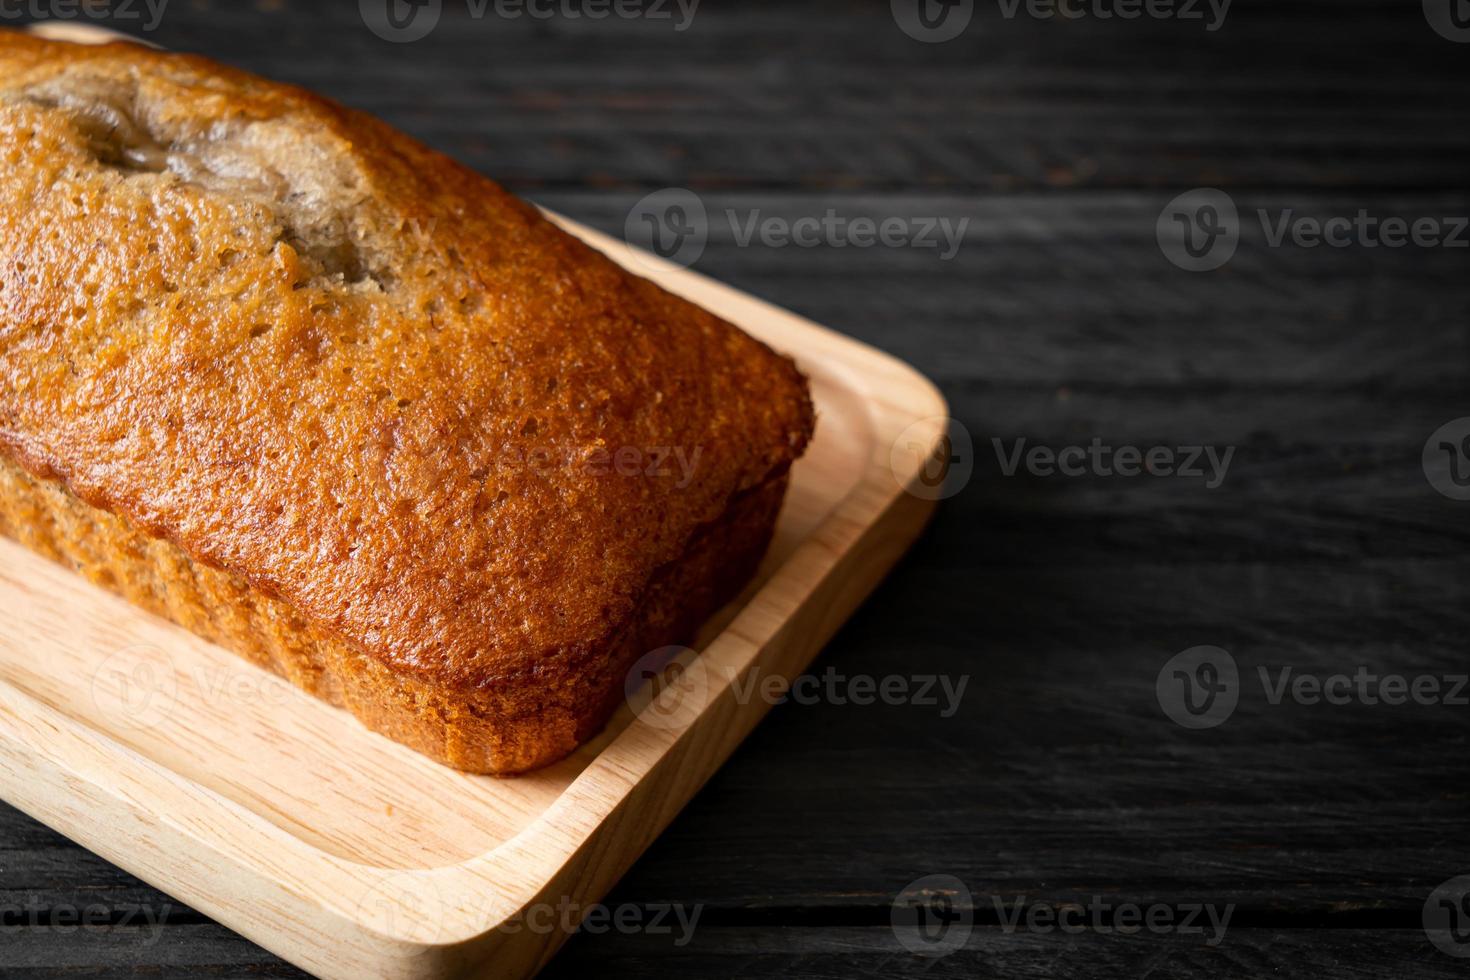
(830, 95)
(1059, 320)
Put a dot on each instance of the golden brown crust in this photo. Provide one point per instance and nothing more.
(517, 723)
(361, 381)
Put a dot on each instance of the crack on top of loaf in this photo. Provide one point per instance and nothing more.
(310, 195)
(105, 116)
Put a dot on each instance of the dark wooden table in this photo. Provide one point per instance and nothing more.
(1060, 780)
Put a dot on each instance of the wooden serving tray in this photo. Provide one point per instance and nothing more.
(352, 856)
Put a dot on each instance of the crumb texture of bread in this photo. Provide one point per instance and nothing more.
(317, 370)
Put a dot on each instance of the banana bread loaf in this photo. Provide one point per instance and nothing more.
(279, 373)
